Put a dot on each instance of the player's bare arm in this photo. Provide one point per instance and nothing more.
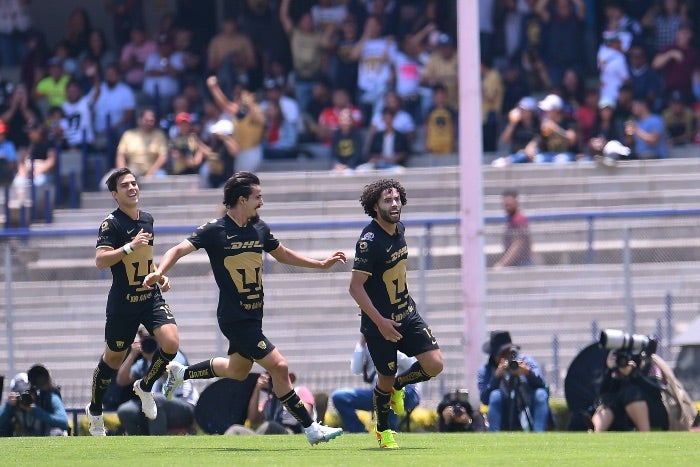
(387, 327)
(286, 256)
(168, 260)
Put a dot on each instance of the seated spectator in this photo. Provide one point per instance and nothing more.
(678, 121)
(36, 164)
(402, 122)
(230, 55)
(645, 133)
(163, 70)
(456, 414)
(280, 138)
(606, 130)
(645, 81)
(491, 103)
(176, 414)
(346, 144)
(329, 119)
(34, 406)
(558, 136)
(348, 400)
(520, 133)
(586, 115)
(144, 149)
(167, 123)
(51, 90)
(18, 112)
(186, 149)
(441, 128)
(271, 417)
(288, 106)
(77, 110)
(114, 109)
(134, 55)
(8, 157)
(388, 148)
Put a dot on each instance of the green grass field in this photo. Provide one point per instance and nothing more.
(429, 449)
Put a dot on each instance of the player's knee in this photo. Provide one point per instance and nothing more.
(433, 367)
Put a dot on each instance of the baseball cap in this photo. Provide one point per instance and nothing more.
(606, 102)
(183, 117)
(444, 39)
(19, 383)
(551, 102)
(527, 103)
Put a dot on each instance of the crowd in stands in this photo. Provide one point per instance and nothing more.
(369, 81)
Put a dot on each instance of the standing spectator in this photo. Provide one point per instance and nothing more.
(487, 28)
(329, 120)
(388, 149)
(442, 68)
(663, 19)
(15, 23)
(186, 149)
(320, 100)
(99, 51)
(51, 90)
(573, 92)
(678, 121)
(344, 65)
(230, 55)
(374, 54)
(645, 134)
(77, 110)
(617, 21)
(558, 135)
(114, 109)
(678, 61)
(144, 150)
(125, 14)
(163, 70)
(645, 81)
(346, 144)
(563, 32)
(8, 157)
(517, 243)
(491, 103)
(612, 65)
(408, 70)
(32, 66)
(510, 28)
(18, 114)
(516, 86)
(520, 133)
(441, 124)
(78, 32)
(191, 59)
(134, 55)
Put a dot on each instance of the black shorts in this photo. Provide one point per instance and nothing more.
(417, 339)
(246, 339)
(123, 320)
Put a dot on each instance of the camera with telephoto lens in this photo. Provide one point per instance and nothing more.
(626, 346)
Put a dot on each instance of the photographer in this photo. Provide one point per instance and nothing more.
(513, 387)
(455, 413)
(34, 406)
(630, 392)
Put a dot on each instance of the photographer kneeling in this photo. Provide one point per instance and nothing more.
(513, 387)
(630, 393)
(34, 406)
(455, 413)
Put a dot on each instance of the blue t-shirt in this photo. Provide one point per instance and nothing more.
(8, 151)
(652, 124)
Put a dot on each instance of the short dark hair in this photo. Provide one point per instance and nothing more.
(240, 184)
(510, 192)
(115, 176)
(372, 192)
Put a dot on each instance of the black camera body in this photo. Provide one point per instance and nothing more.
(457, 408)
(513, 363)
(28, 397)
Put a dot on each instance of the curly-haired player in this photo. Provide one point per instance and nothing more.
(389, 321)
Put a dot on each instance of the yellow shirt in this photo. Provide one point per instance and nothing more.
(441, 131)
(491, 94)
(307, 53)
(55, 91)
(141, 150)
(444, 72)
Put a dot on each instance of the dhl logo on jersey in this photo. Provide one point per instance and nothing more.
(249, 245)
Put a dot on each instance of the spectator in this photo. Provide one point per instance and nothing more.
(186, 149)
(77, 35)
(163, 70)
(517, 243)
(515, 87)
(645, 81)
(289, 106)
(280, 138)
(678, 121)
(34, 406)
(373, 53)
(344, 65)
(51, 90)
(612, 66)
(645, 133)
(18, 113)
(678, 61)
(511, 384)
(663, 19)
(144, 150)
(346, 144)
(408, 70)
(114, 108)
(174, 414)
(491, 103)
(403, 122)
(623, 105)
(487, 28)
(191, 59)
(308, 48)
(248, 126)
(180, 104)
(558, 135)
(55, 125)
(348, 400)
(442, 68)
(15, 23)
(628, 29)
(125, 15)
(606, 130)
(456, 414)
(441, 124)
(8, 157)
(510, 28)
(520, 133)
(134, 55)
(563, 32)
(586, 115)
(36, 165)
(388, 148)
(99, 51)
(230, 55)
(320, 100)
(32, 66)
(77, 110)
(329, 120)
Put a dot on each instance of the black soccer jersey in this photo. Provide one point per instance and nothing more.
(235, 254)
(128, 274)
(383, 258)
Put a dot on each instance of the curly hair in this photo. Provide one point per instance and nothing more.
(373, 191)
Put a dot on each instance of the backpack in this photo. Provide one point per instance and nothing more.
(679, 406)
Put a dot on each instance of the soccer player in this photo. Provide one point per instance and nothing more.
(389, 322)
(125, 245)
(235, 243)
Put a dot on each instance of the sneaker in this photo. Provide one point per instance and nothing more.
(317, 433)
(96, 423)
(148, 403)
(396, 403)
(386, 440)
(175, 375)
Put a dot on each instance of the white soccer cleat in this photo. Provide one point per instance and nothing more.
(96, 423)
(317, 433)
(148, 403)
(175, 375)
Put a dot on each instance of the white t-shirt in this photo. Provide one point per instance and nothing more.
(374, 69)
(408, 74)
(78, 118)
(167, 85)
(613, 72)
(113, 102)
(403, 122)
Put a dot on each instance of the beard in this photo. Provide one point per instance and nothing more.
(386, 216)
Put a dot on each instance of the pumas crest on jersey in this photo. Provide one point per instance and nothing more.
(369, 236)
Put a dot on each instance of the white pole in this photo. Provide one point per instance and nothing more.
(471, 203)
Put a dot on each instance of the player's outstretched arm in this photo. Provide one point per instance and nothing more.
(167, 261)
(286, 256)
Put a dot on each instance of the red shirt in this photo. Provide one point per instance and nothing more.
(329, 118)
